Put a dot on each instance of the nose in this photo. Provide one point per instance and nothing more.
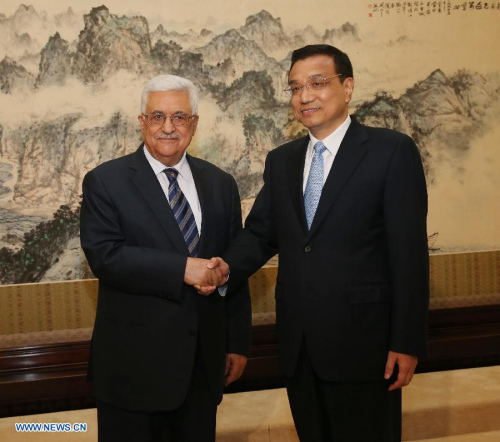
(306, 95)
(167, 125)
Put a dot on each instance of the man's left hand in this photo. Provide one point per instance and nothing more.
(406, 364)
(235, 364)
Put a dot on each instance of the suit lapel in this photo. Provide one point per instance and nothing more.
(204, 195)
(144, 179)
(348, 157)
(295, 167)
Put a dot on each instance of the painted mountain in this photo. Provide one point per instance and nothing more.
(72, 84)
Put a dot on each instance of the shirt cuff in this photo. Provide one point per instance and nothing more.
(222, 290)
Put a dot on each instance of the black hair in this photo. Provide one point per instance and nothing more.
(341, 60)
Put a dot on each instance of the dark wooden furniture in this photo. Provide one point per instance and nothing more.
(50, 378)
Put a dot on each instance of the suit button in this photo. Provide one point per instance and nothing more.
(192, 333)
(307, 248)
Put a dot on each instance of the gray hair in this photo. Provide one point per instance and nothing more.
(165, 83)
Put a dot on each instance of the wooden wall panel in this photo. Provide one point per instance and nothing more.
(47, 378)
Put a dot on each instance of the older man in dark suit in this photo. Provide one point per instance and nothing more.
(161, 353)
(345, 207)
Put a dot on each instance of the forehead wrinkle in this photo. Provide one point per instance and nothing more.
(177, 112)
(309, 78)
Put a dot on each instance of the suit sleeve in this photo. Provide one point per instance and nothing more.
(130, 268)
(405, 215)
(258, 241)
(238, 306)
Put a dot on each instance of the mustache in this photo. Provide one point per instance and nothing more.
(165, 135)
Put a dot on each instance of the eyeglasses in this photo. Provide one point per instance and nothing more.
(313, 84)
(179, 119)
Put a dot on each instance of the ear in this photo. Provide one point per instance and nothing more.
(195, 124)
(141, 121)
(349, 88)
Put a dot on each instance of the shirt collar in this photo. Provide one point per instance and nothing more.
(158, 167)
(332, 141)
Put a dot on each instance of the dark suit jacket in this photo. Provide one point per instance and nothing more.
(148, 319)
(356, 284)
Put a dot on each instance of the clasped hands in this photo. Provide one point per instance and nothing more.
(206, 275)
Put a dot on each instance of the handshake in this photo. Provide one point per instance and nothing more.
(206, 275)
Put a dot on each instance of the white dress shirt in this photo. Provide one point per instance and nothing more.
(185, 180)
(332, 144)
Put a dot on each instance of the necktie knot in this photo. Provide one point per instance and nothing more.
(319, 147)
(171, 174)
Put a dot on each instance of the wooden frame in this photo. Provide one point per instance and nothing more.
(48, 378)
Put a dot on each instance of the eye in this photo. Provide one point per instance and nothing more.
(158, 116)
(179, 117)
(296, 88)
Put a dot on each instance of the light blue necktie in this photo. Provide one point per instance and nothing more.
(182, 212)
(314, 184)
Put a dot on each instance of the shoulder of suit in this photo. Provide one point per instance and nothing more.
(388, 141)
(114, 164)
(381, 133)
(290, 146)
(210, 167)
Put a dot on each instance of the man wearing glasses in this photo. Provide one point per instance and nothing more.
(345, 208)
(161, 353)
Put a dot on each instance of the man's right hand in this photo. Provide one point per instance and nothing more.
(206, 275)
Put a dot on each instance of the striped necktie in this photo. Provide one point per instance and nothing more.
(314, 184)
(182, 212)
